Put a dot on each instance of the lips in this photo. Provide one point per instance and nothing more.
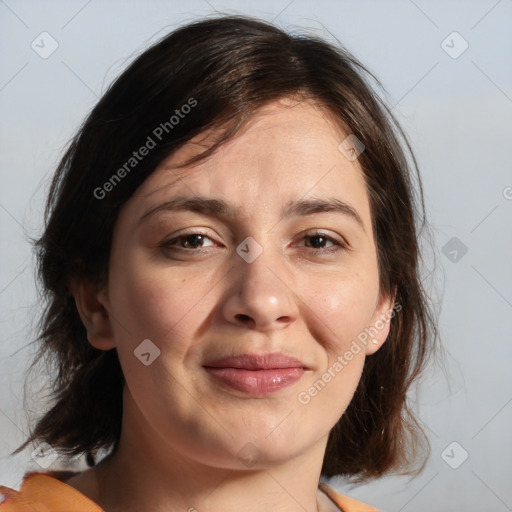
(256, 374)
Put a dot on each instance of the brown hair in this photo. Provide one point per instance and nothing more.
(230, 66)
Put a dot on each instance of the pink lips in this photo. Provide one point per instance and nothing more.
(257, 374)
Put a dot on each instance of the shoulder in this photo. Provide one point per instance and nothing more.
(345, 503)
(43, 492)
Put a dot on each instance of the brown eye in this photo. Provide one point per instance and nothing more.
(188, 241)
(318, 241)
(322, 243)
(193, 241)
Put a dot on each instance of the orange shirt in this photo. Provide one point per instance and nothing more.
(45, 492)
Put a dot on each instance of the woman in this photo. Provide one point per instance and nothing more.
(231, 266)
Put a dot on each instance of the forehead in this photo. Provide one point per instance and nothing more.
(287, 151)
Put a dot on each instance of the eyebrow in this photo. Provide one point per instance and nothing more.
(219, 208)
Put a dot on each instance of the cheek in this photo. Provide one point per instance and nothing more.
(152, 301)
(341, 308)
(155, 301)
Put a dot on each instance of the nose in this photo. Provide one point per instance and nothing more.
(259, 296)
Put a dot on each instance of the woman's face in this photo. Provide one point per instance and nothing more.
(268, 250)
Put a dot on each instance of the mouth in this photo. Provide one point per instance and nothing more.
(257, 374)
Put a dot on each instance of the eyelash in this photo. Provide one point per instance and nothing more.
(168, 244)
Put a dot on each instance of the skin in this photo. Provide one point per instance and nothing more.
(182, 430)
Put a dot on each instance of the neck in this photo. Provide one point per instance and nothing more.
(126, 479)
(149, 472)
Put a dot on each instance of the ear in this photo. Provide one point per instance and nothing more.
(92, 305)
(380, 325)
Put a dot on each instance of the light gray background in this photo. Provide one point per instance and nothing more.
(458, 114)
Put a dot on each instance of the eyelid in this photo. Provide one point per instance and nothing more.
(166, 243)
(334, 237)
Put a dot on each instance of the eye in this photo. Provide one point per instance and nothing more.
(321, 242)
(190, 241)
(318, 241)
